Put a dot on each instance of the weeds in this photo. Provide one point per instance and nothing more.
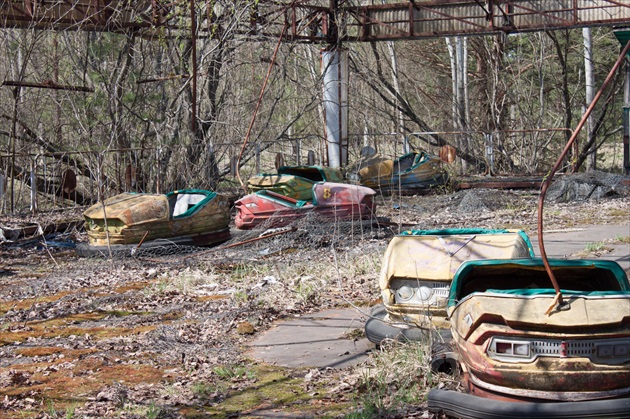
(233, 372)
(218, 389)
(206, 391)
(516, 207)
(596, 247)
(354, 334)
(150, 411)
(373, 394)
(185, 282)
(247, 271)
(153, 411)
(240, 296)
(160, 287)
(364, 264)
(400, 376)
(70, 412)
(307, 289)
(52, 412)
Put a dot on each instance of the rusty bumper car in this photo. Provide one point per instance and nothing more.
(127, 221)
(329, 201)
(414, 172)
(523, 354)
(416, 275)
(294, 181)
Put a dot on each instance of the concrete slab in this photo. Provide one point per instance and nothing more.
(570, 243)
(318, 340)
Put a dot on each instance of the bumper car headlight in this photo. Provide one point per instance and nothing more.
(404, 293)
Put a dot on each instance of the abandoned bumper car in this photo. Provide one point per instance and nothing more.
(294, 181)
(416, 275)
(127, 221)
(328, 200)
(413, 172)
(527, 350)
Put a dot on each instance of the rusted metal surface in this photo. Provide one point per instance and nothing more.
(304, 22)
(448, 153)
(559, 379)
(68, 181)
(48, 85)
(412, 20)
(334, 201)
(126, 219)
(426, 261)
(31, 230)
(294, 181)
(413, 172)
(529, 182)
(111, 15)
(565, 352)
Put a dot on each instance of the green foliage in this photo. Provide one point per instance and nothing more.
(233, 372)
(400, 376)
(153, 411)
(245, 271)
(307, 290)
(595, 247)
(208, 390)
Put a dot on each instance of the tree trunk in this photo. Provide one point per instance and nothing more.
(562, 53)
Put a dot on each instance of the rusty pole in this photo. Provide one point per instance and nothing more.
(547, 181)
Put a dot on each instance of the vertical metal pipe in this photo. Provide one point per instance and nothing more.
(16, 99)
(58, 129)
(411, 22)
(333, 30)
(28, 6)
(335, 93)
(489, 15)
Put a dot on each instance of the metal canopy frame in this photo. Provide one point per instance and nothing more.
(323, 21)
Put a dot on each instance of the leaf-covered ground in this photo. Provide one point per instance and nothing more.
(162, 335)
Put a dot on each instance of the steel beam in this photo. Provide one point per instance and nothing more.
(310, 21)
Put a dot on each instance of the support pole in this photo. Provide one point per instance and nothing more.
(335, 104)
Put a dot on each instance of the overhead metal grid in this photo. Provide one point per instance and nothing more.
(321, 21)
(450, 18)
(98, 15)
